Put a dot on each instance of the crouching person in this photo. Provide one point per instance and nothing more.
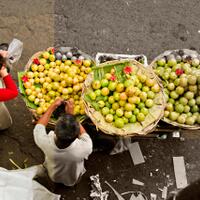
(65, 148)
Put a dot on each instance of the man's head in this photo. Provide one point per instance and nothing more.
(67, 130)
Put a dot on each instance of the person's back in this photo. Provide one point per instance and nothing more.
(65, 149)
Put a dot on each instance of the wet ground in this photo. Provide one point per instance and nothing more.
(119, 26)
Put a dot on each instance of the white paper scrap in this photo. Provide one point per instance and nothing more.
(180, 172)
(136, 182)
(136, 153)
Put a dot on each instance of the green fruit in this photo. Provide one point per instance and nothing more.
(191, 102)
(177, 82)
(104, 83)
(122, 103)
(109, 118)
(128, 114)
(96, 84)
(119, 112)
(179, 90)
(145, 111)
(166, 113)
(161, 62)
(143, 96)
(190, 121)
(141, 105)
(169, 107)
(132, 119)
(112, 111)
(173, 116)
(149, 103)
(108, 105)
(119, 123)
(142, 78)
(183, 101)
(111, 99)
(115, 106)
(155, 88)
(92, 95)
(195, 108)
(140, 117)
(116, 96)
(97, 92)
(128, 107)
(170, 100)
(192, 79)
(171, 86)
(150, 95)
(189, 95)
(105, 111)
(165, 76)
(181, 119)
(186, 109)
(112, 86)
(128, 83)
(174, 95)
(136, 111)
(179, 108)
(125, 120)
(183, 82)
(145, 89)
(171, 62)
(101, 103)
(173, 76)
(198, 100)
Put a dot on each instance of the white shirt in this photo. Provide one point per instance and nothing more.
(63, 165)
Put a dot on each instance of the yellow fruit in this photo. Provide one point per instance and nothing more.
(45, 84)
(52, 64)
(31, 80)
(28, 91)
(34, 67)
(31, 98)
(37, 80)
(38, 90)
(87, 63)
(39, 111)
(65, 91)
(42, 80)
(30, 74)
(88, 70)
(43, 90)
(48, 79)
(46, 55)
(41, 74)
(40, 68)
(36, 74)
(60, 89)
(43, 61)
(82, 112)
(75, 80)
(63, 83)
(32, 87)
(68, 62)
(47, 98)
(52, 58)
(27, 84)
(58, 62)
(37, 101)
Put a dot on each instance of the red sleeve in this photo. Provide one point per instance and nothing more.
(10, 92)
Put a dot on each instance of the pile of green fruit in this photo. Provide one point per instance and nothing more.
(123, 95)
(180, 75)
(53, 73)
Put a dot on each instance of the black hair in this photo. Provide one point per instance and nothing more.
(2, 61)
(67, 130)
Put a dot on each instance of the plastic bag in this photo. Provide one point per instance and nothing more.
(15, 50)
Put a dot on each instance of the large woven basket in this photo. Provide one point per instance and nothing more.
(131, 129)
(52, 121)
(152, 65)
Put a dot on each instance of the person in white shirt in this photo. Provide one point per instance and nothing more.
(65, 148)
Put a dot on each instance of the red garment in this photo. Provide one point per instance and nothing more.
(10, 92)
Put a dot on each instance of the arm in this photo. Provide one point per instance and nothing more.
(45, 118)
(10, 91)
(69, 108)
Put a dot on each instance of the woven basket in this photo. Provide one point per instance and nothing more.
(131, 129)
(152, 65)
(52, 121)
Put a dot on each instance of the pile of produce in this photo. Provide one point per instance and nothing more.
(54, 73)
(179, 71)
(123, 98)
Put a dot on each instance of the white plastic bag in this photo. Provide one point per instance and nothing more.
(15, 50)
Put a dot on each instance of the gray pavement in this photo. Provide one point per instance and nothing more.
(119, 26)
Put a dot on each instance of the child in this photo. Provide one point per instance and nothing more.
(65, 148)
(7, 93)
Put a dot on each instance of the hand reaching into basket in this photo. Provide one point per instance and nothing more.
(69, 107)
